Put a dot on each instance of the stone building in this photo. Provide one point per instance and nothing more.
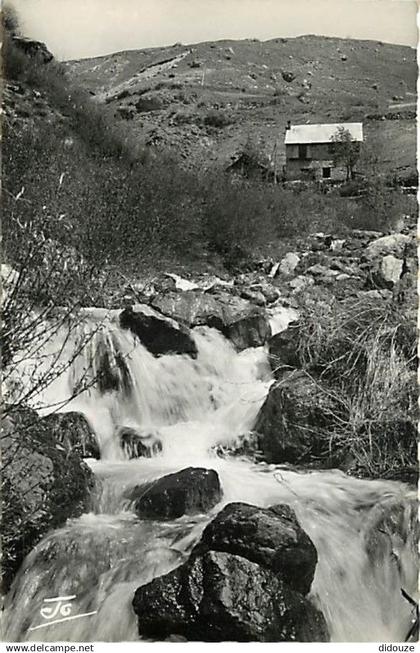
(309, 151)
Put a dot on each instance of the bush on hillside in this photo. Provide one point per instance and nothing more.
(114, 200)
(380, 207)
(362, 353)
(219, 119)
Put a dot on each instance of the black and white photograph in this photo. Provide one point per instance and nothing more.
(209, 323)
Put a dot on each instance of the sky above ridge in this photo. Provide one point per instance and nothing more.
(74, 29)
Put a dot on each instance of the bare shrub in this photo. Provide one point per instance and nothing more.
(363, 353)
(216, 118)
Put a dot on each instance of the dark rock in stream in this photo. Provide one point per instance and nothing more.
(241, 321)
(139, 445)
(43, 484)
(270, 537)
(218, 595)
(295, 421)
(191, 491)
(159, 334)
(283, 349)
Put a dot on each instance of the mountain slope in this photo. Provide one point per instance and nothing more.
(205, 101)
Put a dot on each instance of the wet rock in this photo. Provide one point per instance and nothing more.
(136, 444)
(223, 597)
(191, 307)
(295, 420)
(191, 491)
(392, 522)
(282, 349)
(270, 537)
(249, 330)
(43, 484)
(244, 581)
(158, 334)
(245, 324)
(73, 431)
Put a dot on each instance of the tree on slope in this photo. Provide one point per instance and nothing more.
(345, 150)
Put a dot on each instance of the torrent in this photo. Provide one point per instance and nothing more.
(198, 408)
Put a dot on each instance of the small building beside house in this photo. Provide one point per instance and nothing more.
(253, 167)
(309, 151)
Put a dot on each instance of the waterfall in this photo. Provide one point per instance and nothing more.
(196, 407)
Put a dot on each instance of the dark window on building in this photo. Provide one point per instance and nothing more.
(326, 173)
(303, 151)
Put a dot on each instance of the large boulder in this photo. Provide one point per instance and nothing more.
(191, 491)
(72, 430)
(241, 321)
(295, 421)
(289, 263)
(43, 484)
(388, 272)
(283, 349)
(239, 583)
(189, 307)
(160, 335)
(33, 49)
(270, 537)
(396, 244)
(393, 522)
(220, 597)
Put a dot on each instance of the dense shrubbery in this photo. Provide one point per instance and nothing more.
(112, 206)
(363, 355)
(113, 200)
(215, 118)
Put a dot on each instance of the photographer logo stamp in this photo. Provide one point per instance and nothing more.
(60, 607)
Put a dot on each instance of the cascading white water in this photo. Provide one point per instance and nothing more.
(194, 406)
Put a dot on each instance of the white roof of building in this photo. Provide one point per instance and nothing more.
(301, 134)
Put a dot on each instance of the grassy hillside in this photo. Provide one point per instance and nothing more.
(205, 101)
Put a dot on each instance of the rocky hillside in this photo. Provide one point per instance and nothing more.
(205, 101)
